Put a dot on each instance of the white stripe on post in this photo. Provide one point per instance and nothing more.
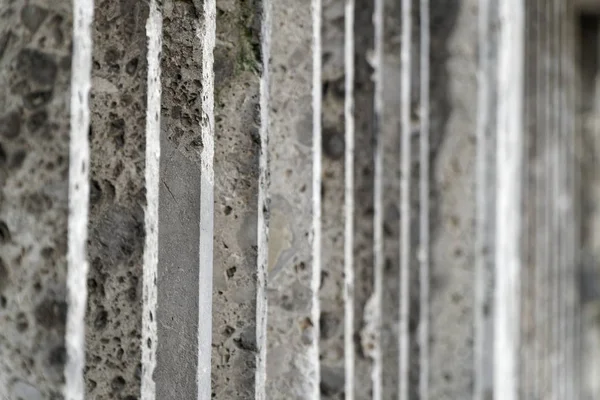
(79, 166)
(205, 274)
(349, 201)
(149, 328)
(263, 209)
(424, 206)
(508, 218)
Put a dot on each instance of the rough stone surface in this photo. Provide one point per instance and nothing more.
(238, 65)
(391, 196)
(453, 93)
(117, 200)
(331, 321)
(35, 65)
(179, 199)
(291, 369)
(363, 195)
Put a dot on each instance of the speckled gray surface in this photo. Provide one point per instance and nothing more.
(179, 202)
(291, 369)
(117, 196)
(363, 193)
(35, 66)
(331, 321)
(237, 144)
(454, 92)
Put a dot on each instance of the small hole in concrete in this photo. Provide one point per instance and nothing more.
(231, 272)
(4, 232)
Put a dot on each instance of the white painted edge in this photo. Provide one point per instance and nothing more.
(313, 352)
(263, 204)
(508, 217)
(207, 35)
(378, 217)
(483, 121)
(78, 192)
(349, 201)
(424, 245)
(405, 179)
(150, 269)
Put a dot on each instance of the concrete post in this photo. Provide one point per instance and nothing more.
(45, 79)
(295, 218)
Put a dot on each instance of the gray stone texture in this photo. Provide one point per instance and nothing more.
(331, 321)
(453, 116)
(35, 64)
(238, 66)
(179, 203)
(117, 199)
(363, 195)
(292, 361)
(391, 195)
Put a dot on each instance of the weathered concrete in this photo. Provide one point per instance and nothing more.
(118, 198)
(453, 92)
(181, 144)
(364, 302)
(331, 321)
(238, 141)
(38, 300)
(295, 231)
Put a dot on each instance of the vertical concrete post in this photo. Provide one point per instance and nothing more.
(125, 101)
(295, 219)
(390, 123)
(43, 197)
(241, 202)
(508, 220)
(483, 339)
(332, 318)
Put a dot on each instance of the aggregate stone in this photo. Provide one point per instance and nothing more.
(117, 198)
(33, 193)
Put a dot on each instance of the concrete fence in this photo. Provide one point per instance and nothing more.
(325, 199)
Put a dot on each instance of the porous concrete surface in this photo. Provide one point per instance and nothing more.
(238, 65)
(331, 321)
(35, 65)
(453, 94)
(363, 197)
(391, 195)
(117, 199)
(291, 334)
(179, 199)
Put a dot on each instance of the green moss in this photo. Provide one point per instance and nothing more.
(248, 58)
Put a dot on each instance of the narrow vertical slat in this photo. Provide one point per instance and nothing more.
(317, 93)
(349, 275)
(79, 164)
(508, 222)
(263, 207)
(241, 208)
(389, 130)
(424, 269)
(405, 166)
(122, 248)
(331, 340)
(207, 185)
(485, 199)
(378, 217)
(150, 269)
(295, 191)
